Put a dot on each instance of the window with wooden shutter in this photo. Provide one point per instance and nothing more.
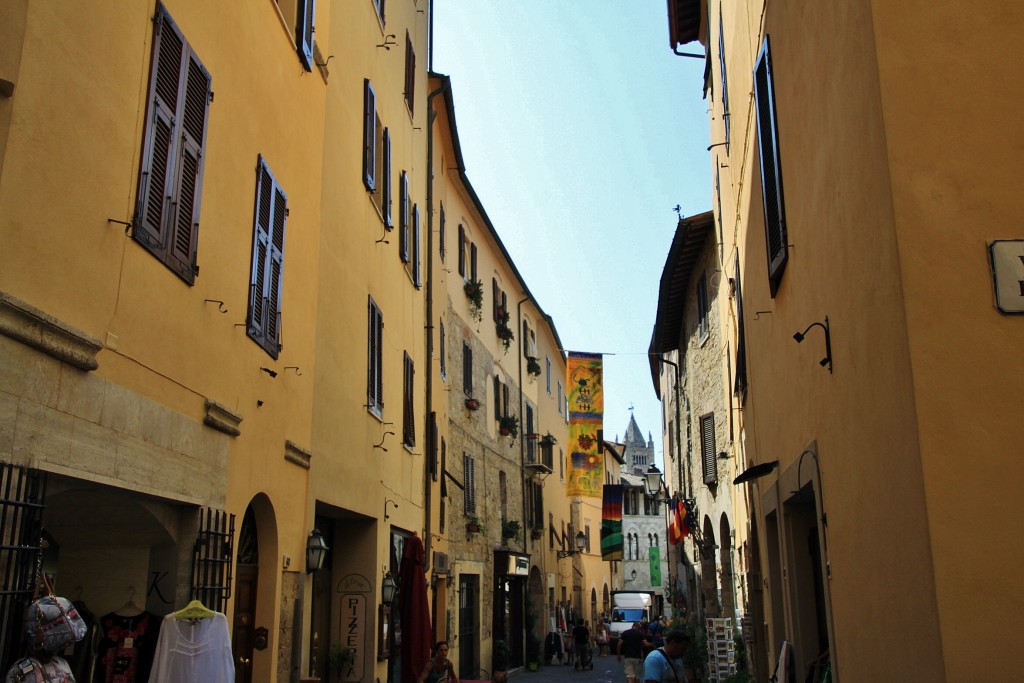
(375, 360)
(441, 234)
(740, 387)
(467, 369)
(385, 180)
(403, 217)
(725, 82)
(410, 74)
(495, 299)
(271, 212)
(442, 352)
(703, 325)
(171, 173)
(462, 250)
(416, 247)
(304, 33)
(771, 168)
(708, 452)
(369, 136)
(469, 482)
(379, 6)
(472, 262)
(497, 397)
(408, 413)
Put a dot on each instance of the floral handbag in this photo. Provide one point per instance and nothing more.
(33, 670)
(52, 623)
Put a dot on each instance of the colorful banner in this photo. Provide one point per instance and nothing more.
(654, 558)
(585, 387)
(611, 523)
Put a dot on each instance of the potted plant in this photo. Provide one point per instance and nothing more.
(500, 654)
(536, 533)
(533, 366)
(474, 526)
(508, 425)
(475, 293)
(472, 404)
(506, 335)
(340, 659)
(510, 528)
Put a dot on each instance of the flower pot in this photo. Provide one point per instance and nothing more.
(505, 431)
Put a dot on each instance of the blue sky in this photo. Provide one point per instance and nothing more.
(581, 130)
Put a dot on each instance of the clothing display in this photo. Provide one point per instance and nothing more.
(191, 650)
(82, 657)
(126, 648)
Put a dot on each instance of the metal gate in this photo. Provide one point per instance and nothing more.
(22, 491)
(212, 558)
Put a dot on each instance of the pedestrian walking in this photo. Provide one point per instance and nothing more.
(666, 664)
(439, 668)
(631, 648)
(603, 636)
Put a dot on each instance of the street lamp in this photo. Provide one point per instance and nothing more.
(653, 483)
(316, 551)
(388, 588)
(581, 543)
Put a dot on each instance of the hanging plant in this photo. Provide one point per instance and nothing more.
(533, 366)
(505, 335)
(509, 426)
(472, 404)
(475, 293)
(510, 528)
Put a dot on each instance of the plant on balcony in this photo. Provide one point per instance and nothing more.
(508, 425)
(472, 404)
(536, 533)
(510, 528)
(506, 335)
(474, 526)
(533, 366)
(475, 293)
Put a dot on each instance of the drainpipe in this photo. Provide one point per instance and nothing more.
(429, 329)
(522, 424)
(679, 398)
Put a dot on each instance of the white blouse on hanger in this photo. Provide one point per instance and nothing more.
(193, 650)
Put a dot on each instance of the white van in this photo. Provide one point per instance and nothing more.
(628, 608)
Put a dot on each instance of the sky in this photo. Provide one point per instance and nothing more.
(581, 132)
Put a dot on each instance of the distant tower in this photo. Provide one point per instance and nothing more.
(638, 453)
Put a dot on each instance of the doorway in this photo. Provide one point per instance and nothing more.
(469, 626)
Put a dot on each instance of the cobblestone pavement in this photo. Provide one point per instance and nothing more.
(606, 670)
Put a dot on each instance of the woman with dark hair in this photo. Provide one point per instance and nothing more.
(438, 668)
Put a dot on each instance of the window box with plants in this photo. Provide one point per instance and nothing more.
(475, 293)
(510, 529)
(537, 533)
(505, 333)
(472, 404)
(509, 426)
(533, 366)
(474, 526)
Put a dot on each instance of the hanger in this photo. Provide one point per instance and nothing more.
(194, 610)
(129, 609)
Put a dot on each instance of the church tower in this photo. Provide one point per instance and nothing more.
(638, 454)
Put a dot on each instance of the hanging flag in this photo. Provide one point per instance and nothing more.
(585, 387)
(654, 560)
(675, 535)
(611, 523)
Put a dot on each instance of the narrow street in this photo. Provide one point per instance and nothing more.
(606, 670)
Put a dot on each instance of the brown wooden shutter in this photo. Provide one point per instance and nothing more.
(707, 448)
(385, 181)
(472, 262)
(410, 74)
(441, 235)
(416, 246)
(375, 362)
(462, 250)
(771, 168)
(497, 397)
(403, 217)
(304, 33)
(271, 213)
(409, 419)
(369, 136)
(495, 296)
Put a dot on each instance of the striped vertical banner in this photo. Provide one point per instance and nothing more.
(611, 522)
(585, 386)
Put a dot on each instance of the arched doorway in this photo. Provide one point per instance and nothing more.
(726, 564)
(708, 573)
(257, 541)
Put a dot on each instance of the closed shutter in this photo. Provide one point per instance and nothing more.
(771, 168)
(385, 181)
(707, 448)
(375, 365)
(462, 250)
(403, 217)
(409, 418)
(271, 211)
(469, 482)
(472, 262)
(416, 246)
(467, 369)
(410, 74)
(441, 235)
(497, 397)
(170, 181)
(369, 136)
(304, 33)
(495, 296)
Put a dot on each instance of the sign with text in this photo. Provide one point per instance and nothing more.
(353, 633)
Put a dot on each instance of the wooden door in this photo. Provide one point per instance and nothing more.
(245, 612)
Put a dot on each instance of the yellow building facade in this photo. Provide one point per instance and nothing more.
(866, 232)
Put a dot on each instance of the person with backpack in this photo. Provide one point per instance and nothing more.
(665, 664)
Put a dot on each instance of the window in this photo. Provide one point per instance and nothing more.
(703, 327)
(707, 448)
(469, 483)
(403, 217)
(385, 180)
(725, 83)
(408, 413)
(410, 74)
(472, 262)
(771, 168)
(462, 250)
(548, 373)
(375, 364)
(531, 441)
(497, 397)
(171, 173)
(379, 6)
(560, 399)
(416, 247)
(442, 353)
(441, 235)
(535, 504)
(503, 494)
(304, 33)
(264, 317)
(467, 369)
(740, 387)
(369, 136)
